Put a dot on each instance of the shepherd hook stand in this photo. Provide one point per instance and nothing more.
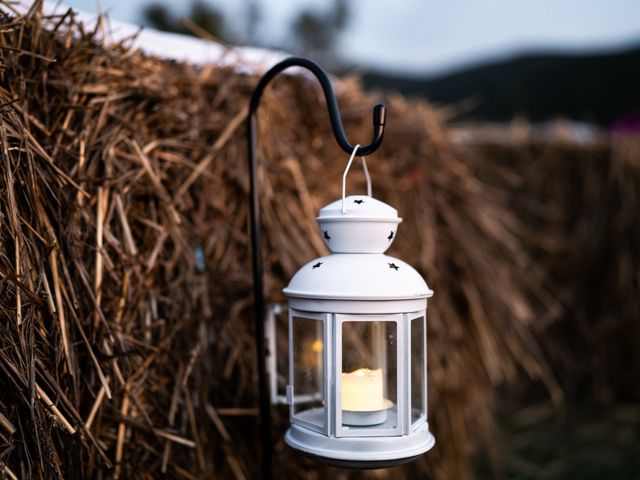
(258, 286)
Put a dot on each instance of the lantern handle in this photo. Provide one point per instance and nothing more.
(346, 171)
(366, 175)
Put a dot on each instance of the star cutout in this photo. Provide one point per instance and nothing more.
(390, 237)
(308, 374)
(394, 266)
(358, 201)
(317, 265)
(326, 235)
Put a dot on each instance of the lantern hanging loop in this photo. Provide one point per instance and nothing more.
(346, 171)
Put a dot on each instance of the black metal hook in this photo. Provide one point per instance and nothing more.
(379, 114)
(379, 111)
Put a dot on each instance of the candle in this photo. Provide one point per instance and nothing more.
(363, 400)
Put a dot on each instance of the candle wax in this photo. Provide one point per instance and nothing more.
(362, 390)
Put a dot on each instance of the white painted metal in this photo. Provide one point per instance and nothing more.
(301, 419)
(374, 431)
(367, 226)
(344, 177)
(361, 449)
(410, 317)
(358, 223)
(357, 282)
(369, 209)
(364, 307)
(367, 445)
(354, 276)
(273, 309)
(406, 374)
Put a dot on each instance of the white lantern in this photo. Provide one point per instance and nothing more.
(357, 385)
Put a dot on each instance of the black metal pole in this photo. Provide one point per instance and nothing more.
(256, 257)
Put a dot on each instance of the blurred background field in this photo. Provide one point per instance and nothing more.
(495, 60)
(512, 152)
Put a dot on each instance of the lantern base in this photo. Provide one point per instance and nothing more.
(361, 452)
(361, 465)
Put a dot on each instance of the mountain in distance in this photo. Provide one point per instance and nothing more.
(601, 88)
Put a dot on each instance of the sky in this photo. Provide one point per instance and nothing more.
(430, 37)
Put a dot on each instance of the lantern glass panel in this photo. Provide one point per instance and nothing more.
(418, 370)
(307, 369)
(369, 386)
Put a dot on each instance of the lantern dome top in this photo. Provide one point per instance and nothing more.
(359, 207)
(358, 224)
(358, 277)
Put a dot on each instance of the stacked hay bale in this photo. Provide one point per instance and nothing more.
(580, 202)
(122, 354)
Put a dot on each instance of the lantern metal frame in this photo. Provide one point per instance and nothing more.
(336, 396)
(409, 318)
(379, 114)
(325, 318)
(372, 446)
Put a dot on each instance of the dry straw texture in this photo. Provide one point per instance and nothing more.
(120, 356)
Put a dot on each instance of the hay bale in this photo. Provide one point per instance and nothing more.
(120, 355)
(581, 203)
